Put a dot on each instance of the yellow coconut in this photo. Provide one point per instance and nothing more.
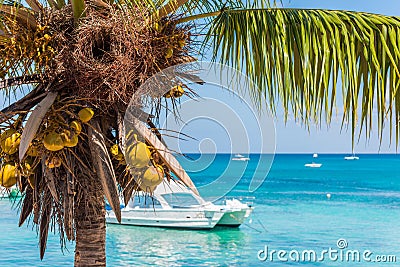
(8, 175)
(169, 53)
(176, 92)
(27, 172)
(33, 151)
(70, 140)
(9, 141)
(138, 155)
(76, 126)
(53, 162)
(168, 94)
(152, 177)
(181, 43)
(26, 169)
(115, 151)
(86, 114)
(53, 142)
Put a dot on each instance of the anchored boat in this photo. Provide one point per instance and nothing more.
(239, 157)
(352, 157)
(175, 205)
(313, 164)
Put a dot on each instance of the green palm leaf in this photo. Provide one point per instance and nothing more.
(298, 56)
(78, 7)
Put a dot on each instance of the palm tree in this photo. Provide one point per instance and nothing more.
(81, 62)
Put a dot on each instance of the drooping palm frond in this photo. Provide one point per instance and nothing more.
(299, 56)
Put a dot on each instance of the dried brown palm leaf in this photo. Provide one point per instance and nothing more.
(68, 217)
(190, 77)
(130, 187)
(104, 168)
(69, 207)
(44, 222)
(24, 104)
(27, 206)
(37, 203)
(20, 80)
(34, 121)
(35, 5)
(50, 181)
(121, 133)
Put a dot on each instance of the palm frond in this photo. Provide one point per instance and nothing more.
(78, 8)
(34, 121)
(298, 56)
(27, 206)
(35, 5)
(21, 14)
(104, 168)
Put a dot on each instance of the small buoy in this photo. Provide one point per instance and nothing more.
(328, 196)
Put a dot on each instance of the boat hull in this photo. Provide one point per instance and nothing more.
(233, 218)
(313, 165)
(351, 158)
(241, 159)
(190, 219)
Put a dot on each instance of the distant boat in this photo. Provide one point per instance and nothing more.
(313, 165)
(352, 157)
(239, 157)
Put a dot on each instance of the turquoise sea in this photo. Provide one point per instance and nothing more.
(292, 214)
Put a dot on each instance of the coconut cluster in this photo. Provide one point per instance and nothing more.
(54, 135)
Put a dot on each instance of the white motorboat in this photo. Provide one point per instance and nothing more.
(239, 157)
(174, 205)
(313, 165)
(352, 157)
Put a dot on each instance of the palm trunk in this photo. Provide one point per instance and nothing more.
(90, 247)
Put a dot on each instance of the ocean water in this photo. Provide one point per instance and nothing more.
(292, 214)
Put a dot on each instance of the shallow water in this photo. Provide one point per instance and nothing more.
(292, 213)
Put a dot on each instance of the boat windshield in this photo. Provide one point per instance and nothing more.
(144, 202)
(178, 200)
